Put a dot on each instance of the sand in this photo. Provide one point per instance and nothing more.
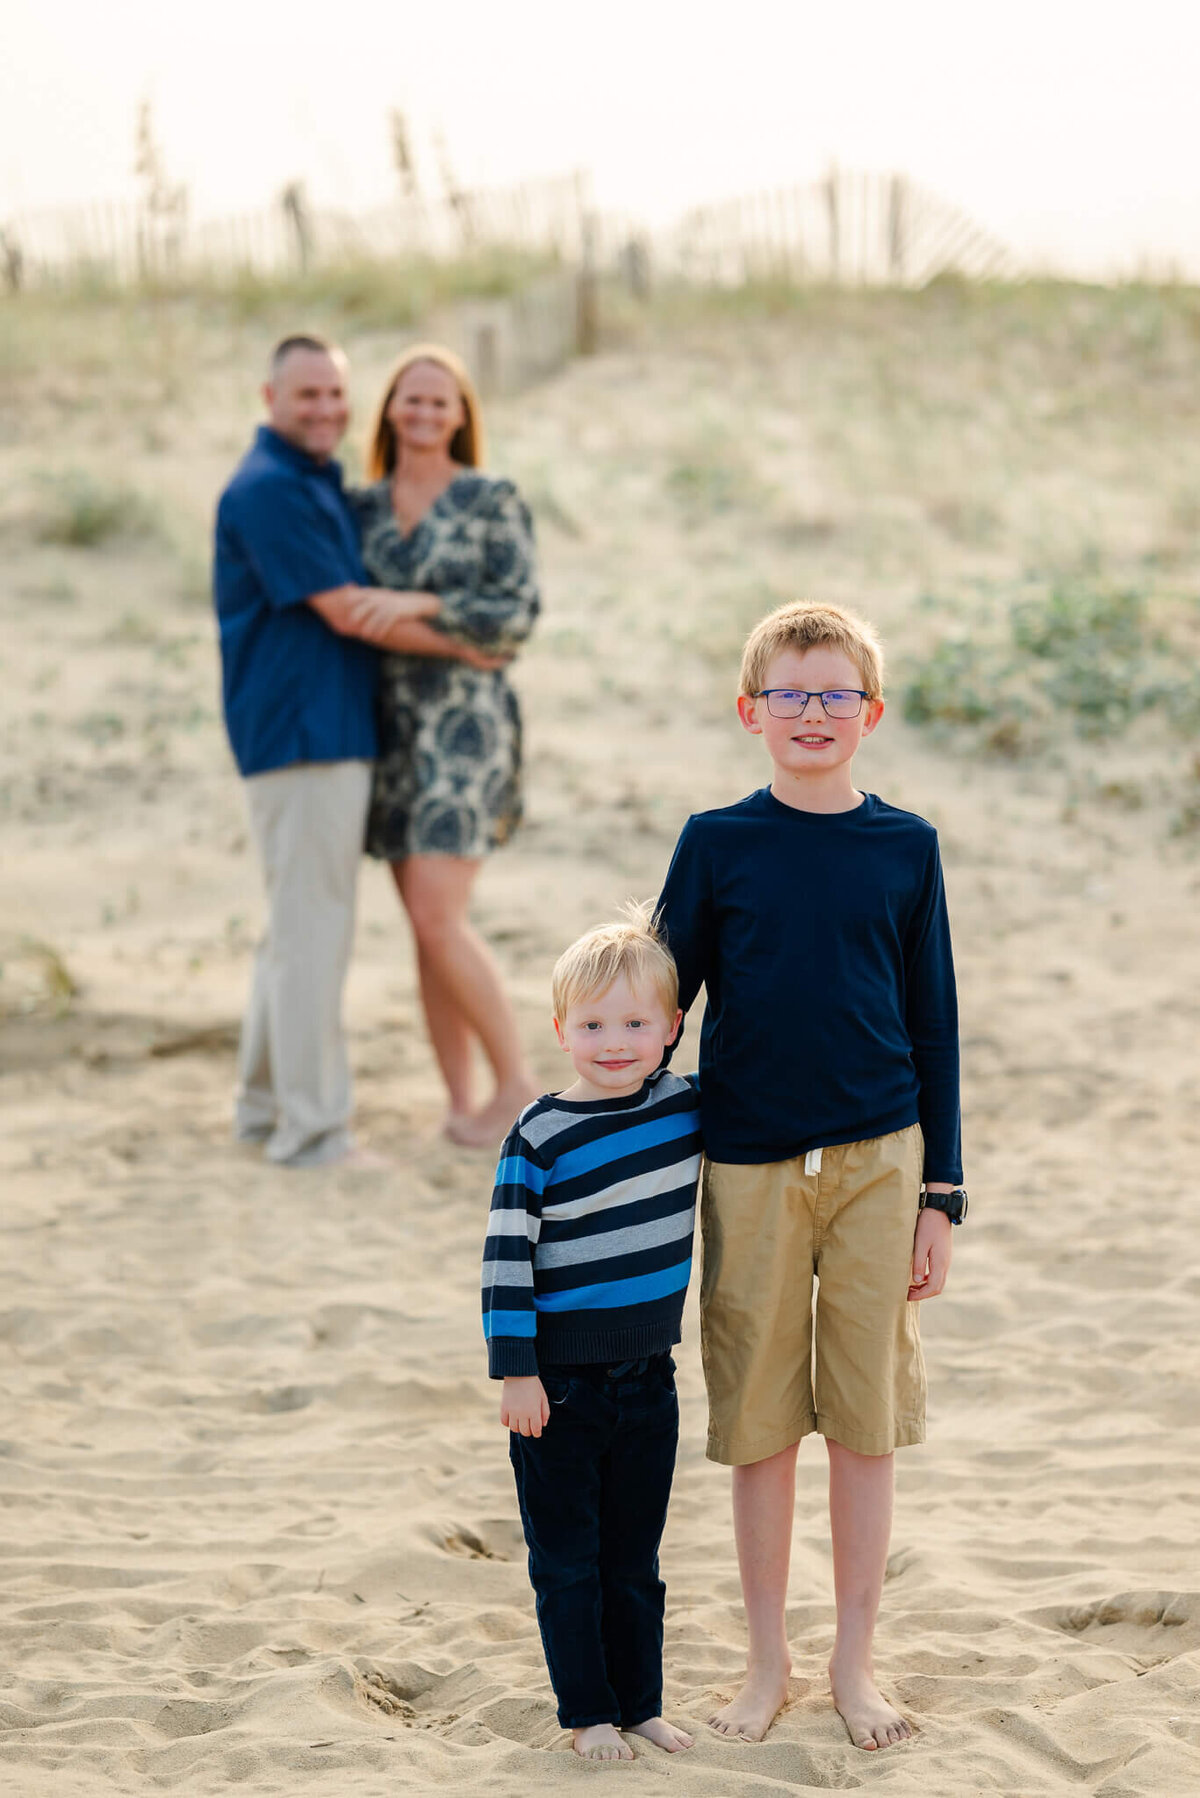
(258, 1522)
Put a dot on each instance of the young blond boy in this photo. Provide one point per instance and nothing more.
(814, 916)
(587, 1260)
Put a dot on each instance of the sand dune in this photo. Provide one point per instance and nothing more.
(259, 1529)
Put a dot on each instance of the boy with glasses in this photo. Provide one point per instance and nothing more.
(815, 918)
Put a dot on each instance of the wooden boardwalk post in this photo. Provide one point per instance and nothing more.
(294, 206)
(834, 222)
(587, 322)
(587, 332)
(897, 231)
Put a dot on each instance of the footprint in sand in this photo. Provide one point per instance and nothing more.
(1150, 1626)
(495, 1540)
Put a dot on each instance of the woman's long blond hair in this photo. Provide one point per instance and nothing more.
(467, 443)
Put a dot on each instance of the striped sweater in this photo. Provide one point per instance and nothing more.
(589, 1243)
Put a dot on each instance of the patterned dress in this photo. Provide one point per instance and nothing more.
(448, 776)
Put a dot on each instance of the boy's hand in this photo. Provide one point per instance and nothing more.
(931, 1255)
(524, 1407)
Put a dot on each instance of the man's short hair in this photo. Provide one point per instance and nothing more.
(802, 626)
(302, 341)
(631, 947)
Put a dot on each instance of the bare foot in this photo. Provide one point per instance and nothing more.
(487, 1129)
(871, 1720)
(756, 1706)
(600, 1743)
(663, 1735)
(363, 1157)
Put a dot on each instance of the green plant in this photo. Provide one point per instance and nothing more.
(1080, 656)
(76, 509)
(131, 629)
(703, 482)
(952, 686)
(101, 727)
(34, 977)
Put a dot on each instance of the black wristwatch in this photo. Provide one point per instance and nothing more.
(954, 1204)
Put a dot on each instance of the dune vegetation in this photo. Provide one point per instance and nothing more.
(259, 1518)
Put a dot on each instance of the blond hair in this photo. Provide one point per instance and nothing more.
(467, 443)
(802, 626)
(631, 947)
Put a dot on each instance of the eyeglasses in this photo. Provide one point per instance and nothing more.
(791, 702)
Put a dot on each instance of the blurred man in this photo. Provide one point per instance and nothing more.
(299, 679)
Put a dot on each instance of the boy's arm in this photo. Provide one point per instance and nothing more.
(931, 1254)
(514, 1225)
(685, 913)
(524, 1407)
(932, 1019)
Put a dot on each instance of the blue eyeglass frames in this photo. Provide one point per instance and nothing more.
(791, 702)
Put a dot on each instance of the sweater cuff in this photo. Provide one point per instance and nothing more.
(512, 1358)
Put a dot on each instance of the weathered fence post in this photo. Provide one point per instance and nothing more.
(634, 261)
(586, 320)
(299, 226)
(831, 205)
(487, 358)
(898, 231)
(13, 258)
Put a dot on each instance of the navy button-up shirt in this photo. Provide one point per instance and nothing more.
(294, 691)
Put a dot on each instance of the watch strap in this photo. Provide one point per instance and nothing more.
(953, 1204)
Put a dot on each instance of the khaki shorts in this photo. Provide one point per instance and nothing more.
(767, 1230)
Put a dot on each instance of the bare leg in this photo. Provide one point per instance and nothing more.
(600, 1742)
(436, 890)
(860, 1521)
(764, 1498)
(449, 1035)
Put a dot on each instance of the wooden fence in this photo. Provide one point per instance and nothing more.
(850, 228)
(130, 244)
(513, 340)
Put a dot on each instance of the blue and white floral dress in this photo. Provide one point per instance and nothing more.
(448, 776)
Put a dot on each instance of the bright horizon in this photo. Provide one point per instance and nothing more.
(1064, 129)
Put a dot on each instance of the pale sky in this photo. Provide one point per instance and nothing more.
(1067, 127)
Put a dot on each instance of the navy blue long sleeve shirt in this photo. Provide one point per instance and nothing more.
(824, 947)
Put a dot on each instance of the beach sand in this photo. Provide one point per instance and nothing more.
(258, 1526)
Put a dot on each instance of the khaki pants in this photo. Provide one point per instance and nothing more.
(293, 1071)
(846, 1216)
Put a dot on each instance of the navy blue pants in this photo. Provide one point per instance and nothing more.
(593, 1491)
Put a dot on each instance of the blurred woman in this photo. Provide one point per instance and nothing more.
(447, 784)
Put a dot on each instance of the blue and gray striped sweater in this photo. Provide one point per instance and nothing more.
(589, 1243)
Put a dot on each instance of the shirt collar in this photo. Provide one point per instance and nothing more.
(279, 447)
